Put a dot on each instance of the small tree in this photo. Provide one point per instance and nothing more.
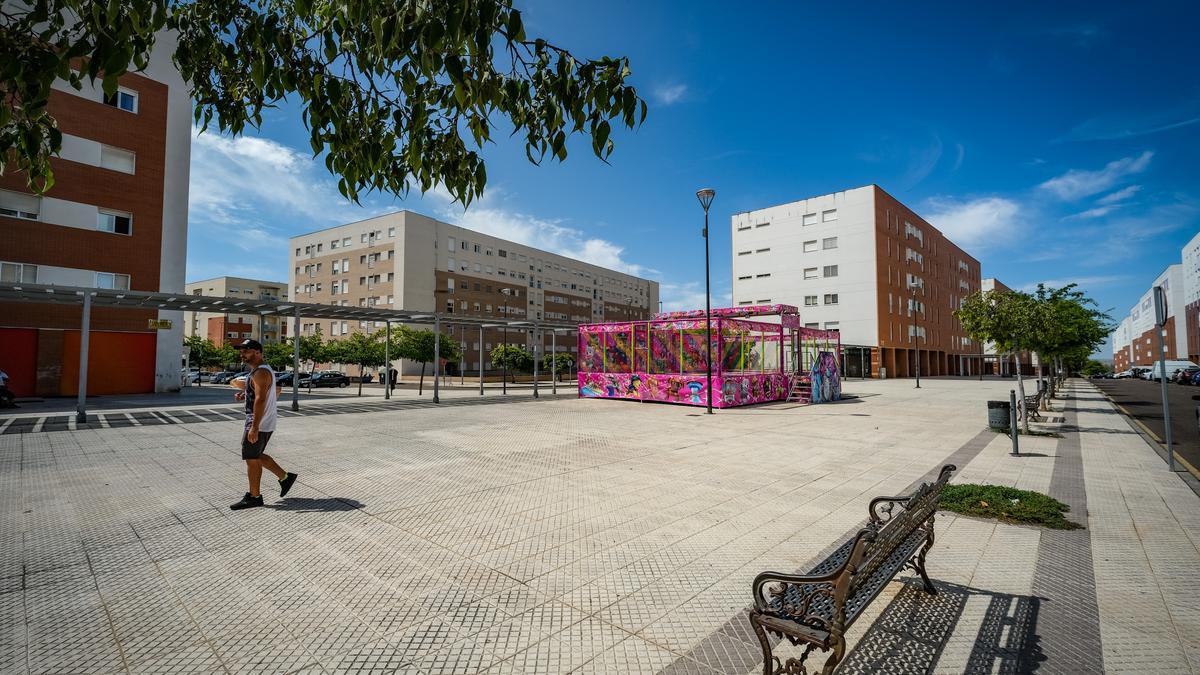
(513, 358)
(312, 349)
(1005, 318)
(361, 349)
(227, 356)
(202, 353)
(1094, 367)
(418, 345)
(278, 355)
(558, 363)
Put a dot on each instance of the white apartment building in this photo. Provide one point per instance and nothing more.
(1140, 346)
(229, 327)
(1191, 296)
(405, 260)
(861, 262)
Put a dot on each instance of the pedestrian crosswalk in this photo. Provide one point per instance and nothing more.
(142, 418)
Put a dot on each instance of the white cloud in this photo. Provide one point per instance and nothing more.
(669, 94)
(974, 223)
(1098, 212)
(1079, 183)
(1084, 283)
(1120, 195)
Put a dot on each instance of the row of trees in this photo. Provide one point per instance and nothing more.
(370, 350)
(1061, 325)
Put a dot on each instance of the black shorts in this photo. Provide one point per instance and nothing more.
(255, 450)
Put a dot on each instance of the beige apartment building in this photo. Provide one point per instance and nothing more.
(230, 327)
(408, 261)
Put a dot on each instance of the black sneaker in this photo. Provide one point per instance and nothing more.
(286, 484)
(248, 502)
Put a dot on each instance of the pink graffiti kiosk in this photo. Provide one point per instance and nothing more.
(756, 361)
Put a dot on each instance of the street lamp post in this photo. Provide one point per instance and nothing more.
(504, 352)
(916, 336)
(706, 196)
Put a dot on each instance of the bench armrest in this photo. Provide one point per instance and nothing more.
(820, 584)
(881, 509)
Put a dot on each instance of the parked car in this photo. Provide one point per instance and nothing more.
(1184, 375)
(284, 379)
(330, 378)
(225, 376)
(194, 376)
(366, 377)
(1155, 372)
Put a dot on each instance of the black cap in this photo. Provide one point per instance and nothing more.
(249, 344)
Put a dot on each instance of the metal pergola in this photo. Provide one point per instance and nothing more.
(183, 302)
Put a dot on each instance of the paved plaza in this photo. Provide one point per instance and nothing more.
(564, 535)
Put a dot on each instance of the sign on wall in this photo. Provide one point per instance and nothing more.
(158, 324)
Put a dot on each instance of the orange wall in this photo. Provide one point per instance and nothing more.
(18, 358)
(118, 363)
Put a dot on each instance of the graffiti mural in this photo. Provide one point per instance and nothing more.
(826, 381)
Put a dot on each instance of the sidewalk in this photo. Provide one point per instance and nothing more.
(569, 535)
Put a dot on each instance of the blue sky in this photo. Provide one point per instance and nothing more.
(1056, 142)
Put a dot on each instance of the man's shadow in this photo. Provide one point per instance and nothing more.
(317, 504)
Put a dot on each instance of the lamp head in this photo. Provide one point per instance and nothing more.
(705, 195)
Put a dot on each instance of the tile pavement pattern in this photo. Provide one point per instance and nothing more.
(558, 536)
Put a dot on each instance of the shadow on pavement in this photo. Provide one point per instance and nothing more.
(317, 504)
(911, 634)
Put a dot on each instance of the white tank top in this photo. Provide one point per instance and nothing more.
(270, 414)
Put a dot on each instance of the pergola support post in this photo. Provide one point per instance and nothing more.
(437, 354)
(296, 361)
(481, 360)
(387, 360)
(537, 338)
(554, 362)
(85, 330)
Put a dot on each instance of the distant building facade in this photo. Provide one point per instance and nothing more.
(1135, 342)
(116, 217)
(230, 327)
(1191, 297)
(405, 260)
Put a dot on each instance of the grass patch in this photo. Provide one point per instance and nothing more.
(1007, 504)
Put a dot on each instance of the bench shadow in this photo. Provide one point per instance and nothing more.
(317, 504)
(915, 628)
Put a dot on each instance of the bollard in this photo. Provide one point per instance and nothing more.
(1012, 421)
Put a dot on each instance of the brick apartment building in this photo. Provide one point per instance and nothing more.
(861, 262)
(116, 217)
(225, 328)
(405, 260)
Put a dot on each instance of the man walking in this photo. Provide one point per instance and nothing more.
(260, 395)
(7, 398)
(392, 378)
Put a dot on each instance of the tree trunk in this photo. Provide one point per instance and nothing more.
(360, 376)
(421, 386)
(1021, 394)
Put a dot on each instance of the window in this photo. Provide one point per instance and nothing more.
(125, 99)
(763, 250)
(117, 159)
(345, 242)
(762, 276)
(831, 271)
(451, 246)
(743, 252)
(810, 272)
(391, 231)
(363, 238)
(450, 285)
(810, 246)
(450, 264)
(829, 215)
(477, 247)
(119, 282)
(745, 302)
(19, 205)
(744, 278)
(502, 253)
(810, 301)
(812, 325)
(115, 222)
(763, 224)
(14, 272)
(831, 325)
(831, 298)
(740, 228)
(810, 219)
(828, 243)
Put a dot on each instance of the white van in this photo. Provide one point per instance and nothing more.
(1173, 365)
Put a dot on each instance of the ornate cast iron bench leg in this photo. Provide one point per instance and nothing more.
(765, 640)
(839, 651)
(918, 563)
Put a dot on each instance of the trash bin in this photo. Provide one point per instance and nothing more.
(998, 414)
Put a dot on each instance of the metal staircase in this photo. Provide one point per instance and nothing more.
(800, 390)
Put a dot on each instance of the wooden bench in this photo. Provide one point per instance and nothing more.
(817, 608)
